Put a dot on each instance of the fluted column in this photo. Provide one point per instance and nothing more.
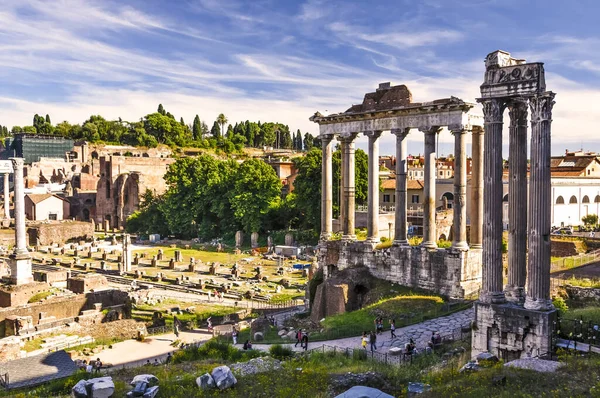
(517, 199)
(400, 238)
(538, 265)
(326, 187)
(429, 227)
(6, 198)
(19, 198)
(373, 195)
(476, 233)
(459, 239)
(342, 198)
(491, 290)
(349, 186)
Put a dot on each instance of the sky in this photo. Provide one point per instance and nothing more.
(282, 60)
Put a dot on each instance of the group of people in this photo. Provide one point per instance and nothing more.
(370, 339)
(302, 338)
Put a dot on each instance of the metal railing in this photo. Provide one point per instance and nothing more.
(566, 263)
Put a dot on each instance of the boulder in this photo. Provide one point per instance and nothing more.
(139, 389)
(223, 377)
(102, 387)
(291, 334)
(205, 381)
(282, 332)
(151, 380)
(417, 388)
(256, 365)
(258, 336)
(79, 390)
(395, 351)
(470, 366)
(364, 392)
(151, 392)
(486, 356)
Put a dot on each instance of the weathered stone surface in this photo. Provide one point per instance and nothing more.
(539, 365)
(258, 336)
(364, 392)
(417, 388)
(223, 377)
(256, 365)
(470, 366)
(205, 381)
(79, 390)
(151, 392)
(147, 378)
(59, 232)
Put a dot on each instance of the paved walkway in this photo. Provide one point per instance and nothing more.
(132, 353)
(420, 333)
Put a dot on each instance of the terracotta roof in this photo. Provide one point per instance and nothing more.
(410, 184)
(40, 197)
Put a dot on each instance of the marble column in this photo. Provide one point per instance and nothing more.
(326, 187)
(476, 233)
(429, 227)
(400, 238)
(6, 198)
(20, 260)
(349, 186)
(491, 289)
(538, 264)
(517, 199)
(342, 191)
(459, 239)
(373, 194)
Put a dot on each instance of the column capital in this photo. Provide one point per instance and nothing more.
(401, 133)
(17, 162)
(541, 107)
(430, 129)
(348, 137)
(517, 111)
(326, 138)
(493, 109)
(477, 130)
(373, 133)
(456, 130)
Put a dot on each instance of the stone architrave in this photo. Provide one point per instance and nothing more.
(239, 239)
(20, 260)
(254, 240)
(289, 239)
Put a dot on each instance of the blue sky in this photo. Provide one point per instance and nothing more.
(284, 60)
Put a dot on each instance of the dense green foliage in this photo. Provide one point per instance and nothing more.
(590, 219)
(210, 198)
(161, 127)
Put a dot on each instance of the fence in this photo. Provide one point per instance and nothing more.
(459, 334)
(566, 263)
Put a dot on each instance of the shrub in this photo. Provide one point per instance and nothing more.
(215, 349)
(281, 352)
(560, 305)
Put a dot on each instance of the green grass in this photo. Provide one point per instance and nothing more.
(40, 296)
(583, 282)
(144, 312)
(196, 252)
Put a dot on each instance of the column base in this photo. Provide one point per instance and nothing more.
(325, 236)
(400, 243)
(514, 294)
(539, 304)
(429, 245)
(462, 246)
(476, 246)
(374, 240)
(346, 238)
(492, 297)
(20, 269)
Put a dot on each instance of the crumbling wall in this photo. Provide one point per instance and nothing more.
(15, 295)
(561, 248)
(47, 233)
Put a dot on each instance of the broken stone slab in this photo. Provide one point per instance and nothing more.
(205, 381)
(486, 356)
(470, 366)
(539, 365)
(100, 387)
(223, 377)
(417, 388)
(363, 392)
(395, 351)
(151, 392)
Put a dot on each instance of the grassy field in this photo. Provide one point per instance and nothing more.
(144, 312)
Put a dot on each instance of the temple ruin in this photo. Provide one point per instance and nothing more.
(516, 320)
(455, 272)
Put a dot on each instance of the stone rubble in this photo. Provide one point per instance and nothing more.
(100, 387)
(539, 365)
(256, 365)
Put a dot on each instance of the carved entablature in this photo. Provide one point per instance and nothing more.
(517, 80)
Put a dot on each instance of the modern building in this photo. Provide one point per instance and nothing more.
(33, 147)
(46, 207)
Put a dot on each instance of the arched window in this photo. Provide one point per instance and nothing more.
(573, 200)
(449, 196)
(505, 198)
(560, 200)
(585, 199)
(597, 199)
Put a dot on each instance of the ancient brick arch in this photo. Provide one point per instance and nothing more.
(127, 189)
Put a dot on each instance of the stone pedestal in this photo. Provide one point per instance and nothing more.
(510, 332)
(20, 269)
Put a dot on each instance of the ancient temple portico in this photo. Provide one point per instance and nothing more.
(516, 320)
(456, 271)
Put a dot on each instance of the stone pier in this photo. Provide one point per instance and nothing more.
(20, 260)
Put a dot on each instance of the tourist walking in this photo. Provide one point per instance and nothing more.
(373, 341)
(393, 328)
(234, 336)
(97, 365)
(364, 340)
(304, 340)
(169, 358)
(298, 338)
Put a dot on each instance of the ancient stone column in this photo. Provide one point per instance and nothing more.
(342, 188)
(400, 238)
(6, 198)
(476, 232)
(459, 241)
(20, 260)
(491, 289)
(429, 227)
(127, 253)
(373, 194)
(349, 187)
(517, 199)
(538, 265)
(326, 187)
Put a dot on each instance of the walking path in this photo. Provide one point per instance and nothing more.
(133, 353)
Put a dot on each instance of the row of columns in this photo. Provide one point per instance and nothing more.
(347, 200)
(529, 231)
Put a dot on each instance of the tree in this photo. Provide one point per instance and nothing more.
(308, 141)
(161, 110)
(215, 131)
(222, 120)
(197, 128)
(48, 119)
(590, 219)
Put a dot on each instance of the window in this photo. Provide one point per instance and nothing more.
(573, 200)
(386, 198)
(415, 199)
(107, 190)
(560, 200)
(52, 216)
(597, 199)
(585, 199)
